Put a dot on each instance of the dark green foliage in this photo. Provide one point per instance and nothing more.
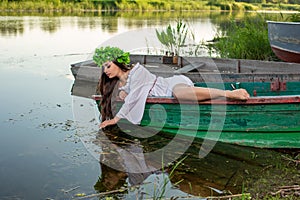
(244, 40)
(76, 5)
(294, 17)
(108, 53)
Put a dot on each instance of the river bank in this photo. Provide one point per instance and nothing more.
(138, 6)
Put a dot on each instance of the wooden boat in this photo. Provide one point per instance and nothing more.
(201, 69)
(284, 38)
(271, 119)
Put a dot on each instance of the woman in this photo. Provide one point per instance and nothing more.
(135, 84)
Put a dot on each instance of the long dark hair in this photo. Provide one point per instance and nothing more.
(107, 88)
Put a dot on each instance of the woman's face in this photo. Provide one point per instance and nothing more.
(111, 70)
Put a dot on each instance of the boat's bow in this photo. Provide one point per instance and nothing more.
(284, 39)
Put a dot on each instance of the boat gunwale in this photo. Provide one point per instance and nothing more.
(284, 99)
(214, 73)
(281, 22)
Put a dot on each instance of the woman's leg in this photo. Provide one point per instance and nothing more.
(185, 92)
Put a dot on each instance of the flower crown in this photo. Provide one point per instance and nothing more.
(104, 54)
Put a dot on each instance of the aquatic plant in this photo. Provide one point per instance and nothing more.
(179, 39)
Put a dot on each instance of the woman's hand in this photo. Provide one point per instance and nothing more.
(238, 94)
(109, 122)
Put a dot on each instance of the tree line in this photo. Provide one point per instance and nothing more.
(137, 1)
(77, 5)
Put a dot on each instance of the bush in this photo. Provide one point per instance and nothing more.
(244, 40)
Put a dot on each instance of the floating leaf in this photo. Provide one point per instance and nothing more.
(80, 195)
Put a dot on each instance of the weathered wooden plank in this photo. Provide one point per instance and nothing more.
(249, 118)
(213, 69)
(243, 66)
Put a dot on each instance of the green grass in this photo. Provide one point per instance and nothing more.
(247, 39)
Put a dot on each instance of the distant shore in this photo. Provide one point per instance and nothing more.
(41, 6)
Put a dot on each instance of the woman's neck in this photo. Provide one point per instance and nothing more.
(123, 77)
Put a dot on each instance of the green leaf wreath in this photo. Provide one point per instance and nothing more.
(104, 54)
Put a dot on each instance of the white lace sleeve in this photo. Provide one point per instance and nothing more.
(139, 84)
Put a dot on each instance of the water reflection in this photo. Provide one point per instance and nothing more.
(122, 153)
(11, 27)
(50, 25)
(135, 170)
(112, 22)
(107, 22)
(224, 171)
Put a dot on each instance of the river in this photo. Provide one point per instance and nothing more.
(43, 153)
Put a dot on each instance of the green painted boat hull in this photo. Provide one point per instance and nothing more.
(269, 119)
(267, 126)
(263, 123)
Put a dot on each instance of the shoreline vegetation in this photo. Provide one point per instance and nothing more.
(79, 6)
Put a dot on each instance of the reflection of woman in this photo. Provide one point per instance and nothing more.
(137, 83)
(121, 160)
(125, 159)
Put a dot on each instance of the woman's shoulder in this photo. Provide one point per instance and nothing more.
(133, 71)
(140, 71)
(137, 67)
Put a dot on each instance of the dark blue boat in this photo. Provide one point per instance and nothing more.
(284, 38)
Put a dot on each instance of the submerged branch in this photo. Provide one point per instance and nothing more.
(292, 160)
(287, 190)
(112, 191)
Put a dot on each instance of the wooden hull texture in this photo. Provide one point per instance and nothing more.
(284, 38)
(265, 121)
(271, 122)
(202, 69)
(286, 55)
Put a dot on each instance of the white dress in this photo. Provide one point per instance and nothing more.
(141, 84)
